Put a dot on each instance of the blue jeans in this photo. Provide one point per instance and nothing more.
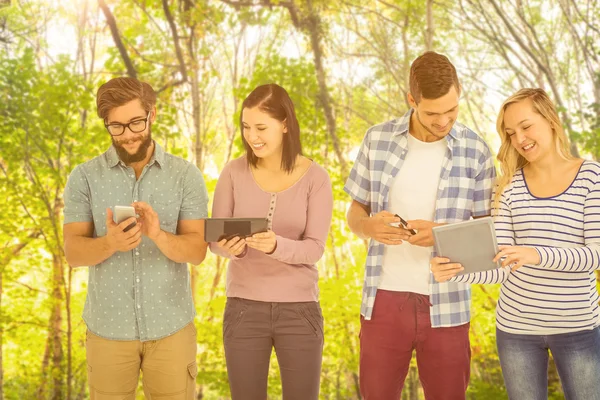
(524, 361)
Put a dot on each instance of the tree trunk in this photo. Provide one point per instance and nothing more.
(429, 32)
(55, 333)
(314, 27)
(198, 145)
(1, 338)
(69, 336)
(51, 372)
(114, 30)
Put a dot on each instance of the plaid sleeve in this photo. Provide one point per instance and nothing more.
(358, 185)
(484, 183)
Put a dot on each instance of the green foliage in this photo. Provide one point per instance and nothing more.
(48, 125)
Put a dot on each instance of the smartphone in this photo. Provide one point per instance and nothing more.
(404, 223)
(122, 213)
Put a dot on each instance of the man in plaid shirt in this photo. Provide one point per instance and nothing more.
(430, 170)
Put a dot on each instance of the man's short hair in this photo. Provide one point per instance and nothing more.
(431, 76)
(120, 91)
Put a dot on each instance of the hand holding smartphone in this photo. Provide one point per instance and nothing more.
(404, 224)
(122, 213)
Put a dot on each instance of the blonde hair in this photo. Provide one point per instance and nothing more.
(119, 91)
(509, 158)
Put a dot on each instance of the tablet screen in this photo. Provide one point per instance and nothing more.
(216, 229)
(237, 228)
(471, 243)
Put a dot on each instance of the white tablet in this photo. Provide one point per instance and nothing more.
(471, 243)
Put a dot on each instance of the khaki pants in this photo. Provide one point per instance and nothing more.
(168, 365)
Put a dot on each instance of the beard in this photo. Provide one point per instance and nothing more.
(141, 152)
(431, 131)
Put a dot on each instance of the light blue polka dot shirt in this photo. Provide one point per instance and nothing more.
(139, 294)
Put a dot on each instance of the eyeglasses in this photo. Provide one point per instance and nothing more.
(135, 126)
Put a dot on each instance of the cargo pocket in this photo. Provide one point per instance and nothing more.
(192, 370)
(234, 313)
(312, 317)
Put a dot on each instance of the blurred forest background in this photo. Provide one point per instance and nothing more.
(345, 64)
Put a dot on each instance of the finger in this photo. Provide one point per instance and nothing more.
(413, 239)
(222, 242)
(440, 260)
(418, 224)
(263, 235)
(503, 253)
(133, 244)
(444, 268)
(126, 223)
(231, 242)
(510, 259)
(389, 220)
(136, 235)
(389, 242)
(391, 229)
(517, 265)
(141, 205)
(504, 247)
(147, 213)
(238, 247)
(253, 245)
(109, 218)
(133, 231)
(385, 213)
(391, 237)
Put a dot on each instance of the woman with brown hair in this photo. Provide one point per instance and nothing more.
(272, 281)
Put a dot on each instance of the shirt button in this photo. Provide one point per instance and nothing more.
(139, 306)
(137, 280)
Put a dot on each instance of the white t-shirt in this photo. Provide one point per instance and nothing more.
(412, 195)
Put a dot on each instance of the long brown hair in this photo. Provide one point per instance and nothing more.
(275, 101)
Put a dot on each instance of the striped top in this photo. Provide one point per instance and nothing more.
(559, 295)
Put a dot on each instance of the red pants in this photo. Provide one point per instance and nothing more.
(400, 324)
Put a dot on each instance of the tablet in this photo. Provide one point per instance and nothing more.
(471, 243)
(216, 229)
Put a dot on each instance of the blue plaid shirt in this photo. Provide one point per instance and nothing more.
(465, 190)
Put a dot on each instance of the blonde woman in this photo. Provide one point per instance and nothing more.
(547, 217)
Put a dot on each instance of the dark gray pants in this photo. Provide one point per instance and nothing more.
(252, 328)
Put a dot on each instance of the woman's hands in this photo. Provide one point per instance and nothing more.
(263, 241)
(234, 246)
(513, 256)
(517, 256)
(443, 270)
